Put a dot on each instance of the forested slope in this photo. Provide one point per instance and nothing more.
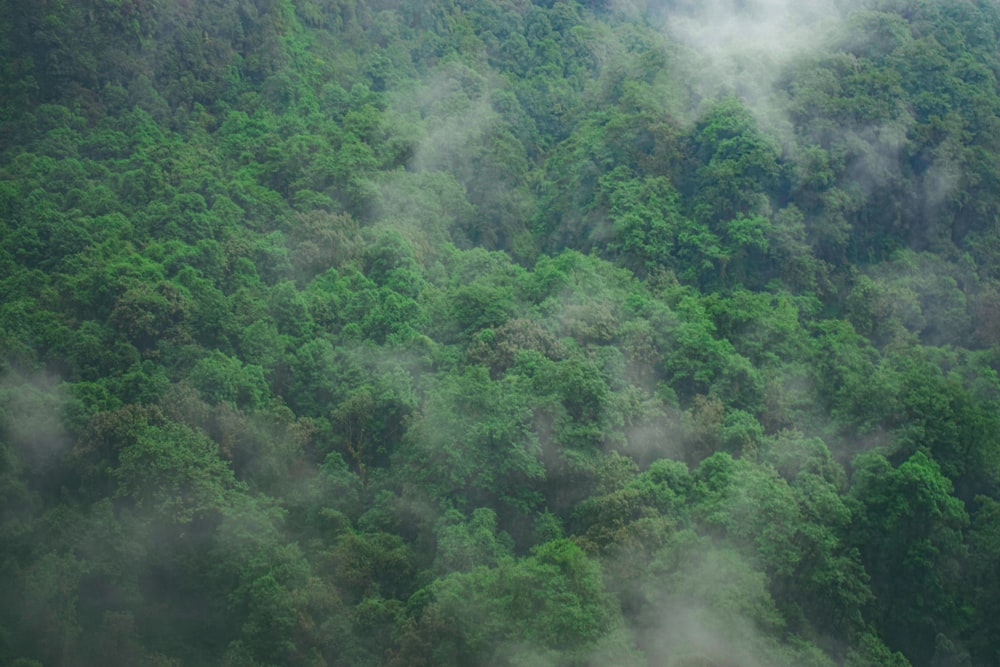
(497, 333)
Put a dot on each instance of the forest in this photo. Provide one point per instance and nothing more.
(500, 333)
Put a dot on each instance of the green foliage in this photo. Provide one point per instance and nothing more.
(738, 165)
(463, 545)
(222, 378)
(336, 332)
(909, 529)
(549, 606)
(173, 472)
(473, 441)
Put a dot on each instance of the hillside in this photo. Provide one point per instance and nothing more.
(487, 332)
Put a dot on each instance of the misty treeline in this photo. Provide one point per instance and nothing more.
(419, 333)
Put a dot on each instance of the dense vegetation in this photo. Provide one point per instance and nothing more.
(483, 332)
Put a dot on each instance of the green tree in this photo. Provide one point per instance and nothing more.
(549, 606)
(473, 441)
(908, 529)
(738, 165)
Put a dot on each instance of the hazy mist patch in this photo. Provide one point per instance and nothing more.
(735, 33)
(705, 604)
(31, 417)
(741, 48)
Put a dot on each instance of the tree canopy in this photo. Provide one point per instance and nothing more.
(499, 332)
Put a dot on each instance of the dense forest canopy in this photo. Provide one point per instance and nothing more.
(498, 332)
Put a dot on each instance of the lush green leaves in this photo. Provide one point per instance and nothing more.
(499, 333)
